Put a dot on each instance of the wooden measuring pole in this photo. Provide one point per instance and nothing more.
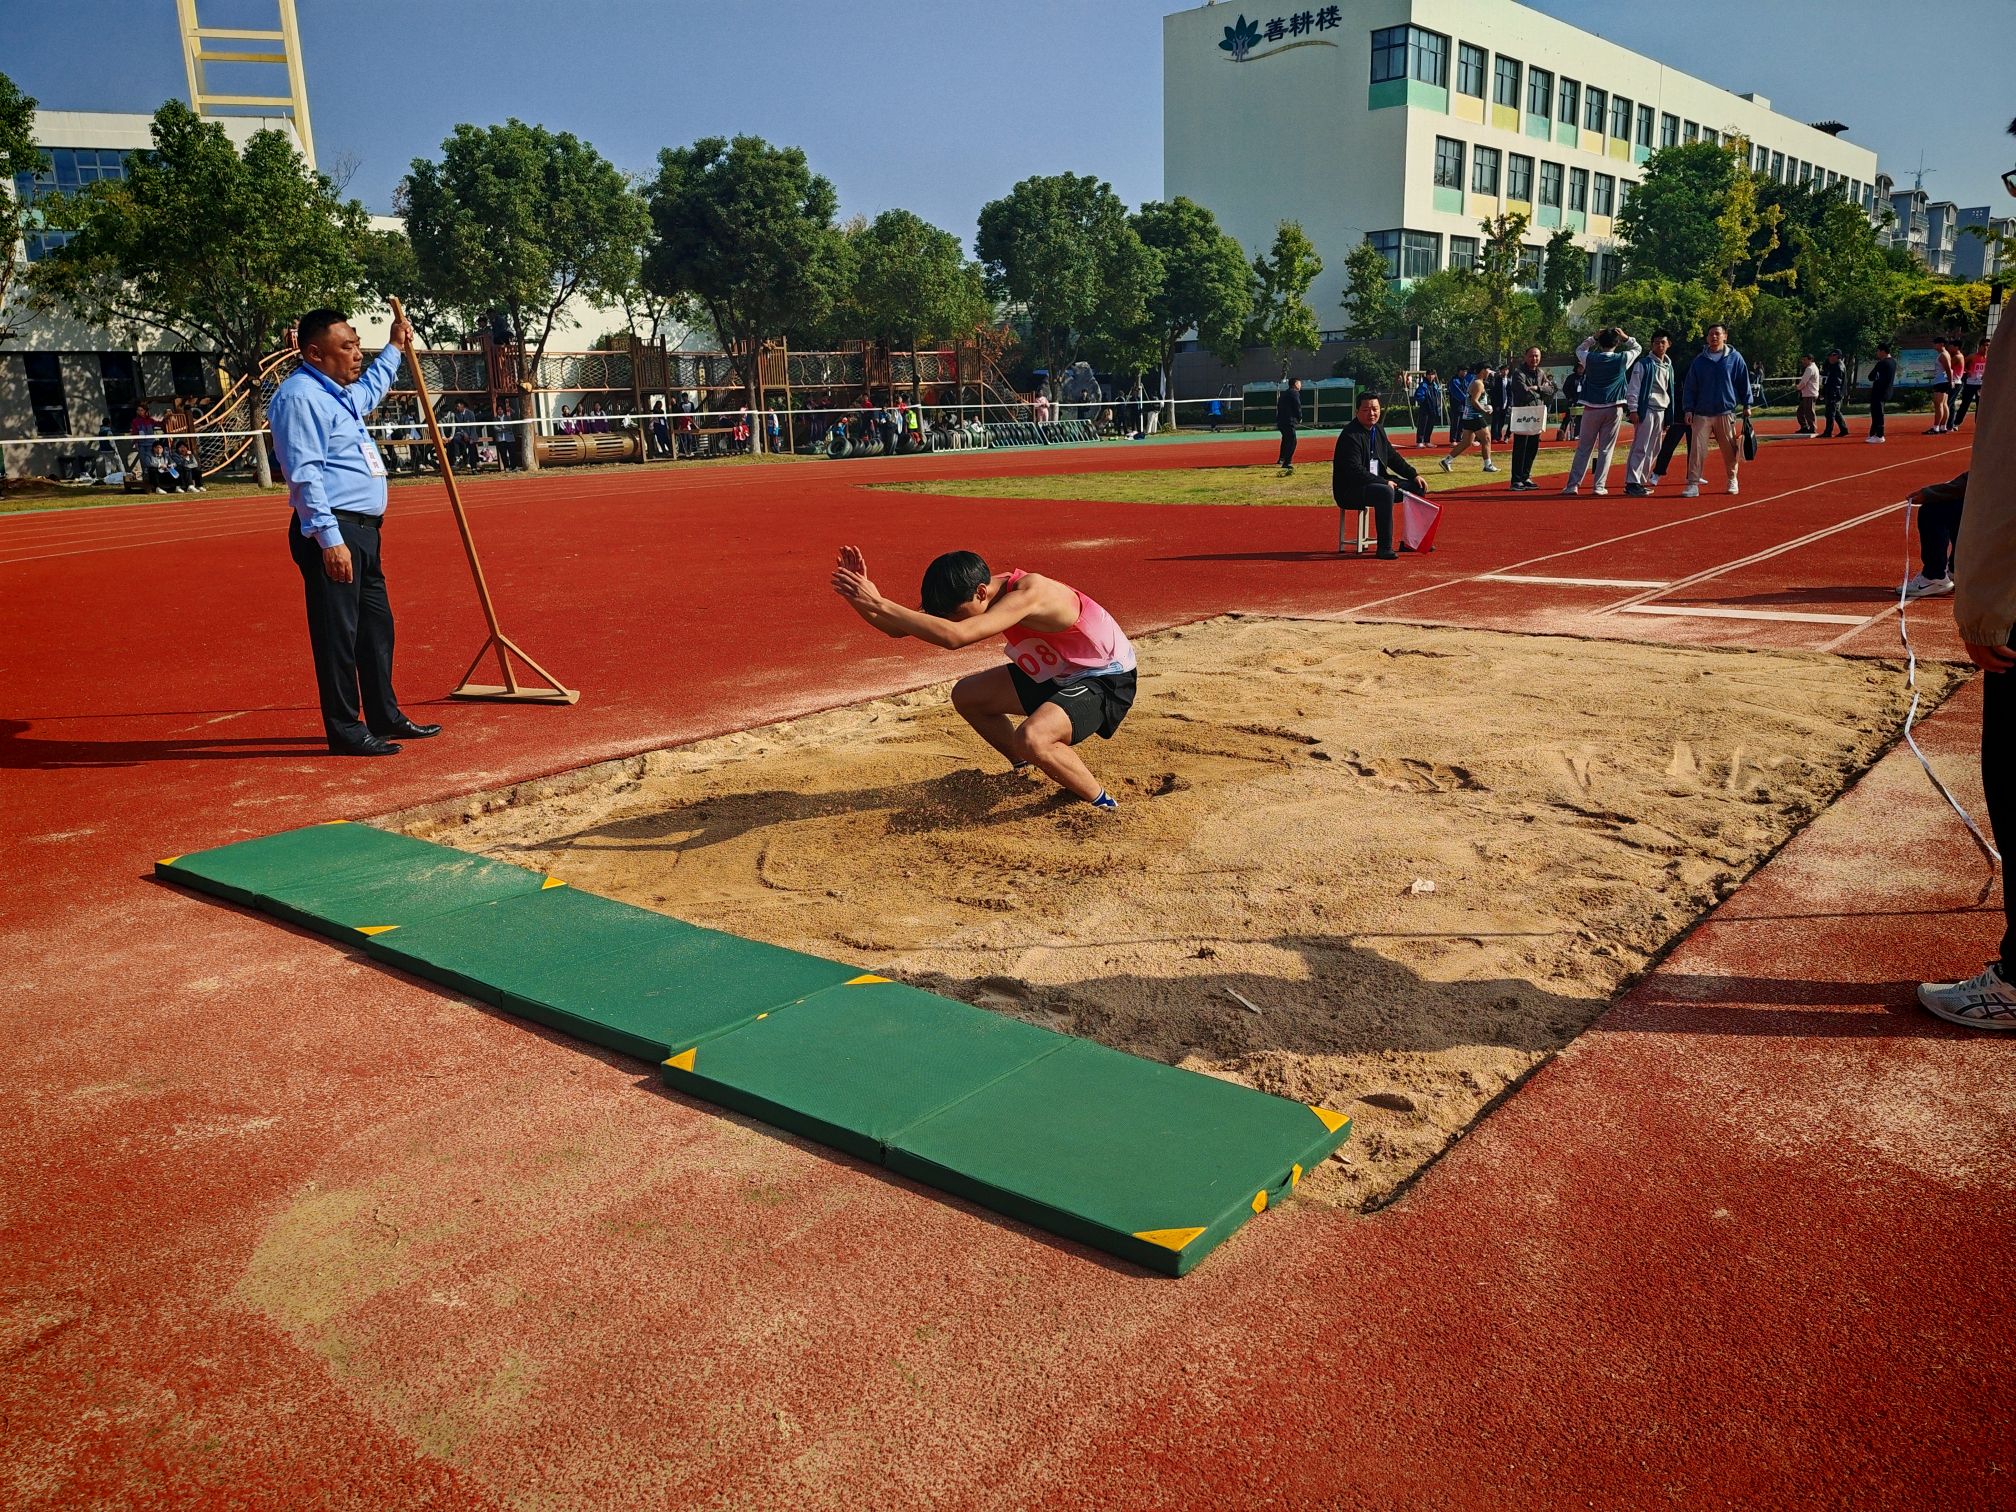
(511, 690)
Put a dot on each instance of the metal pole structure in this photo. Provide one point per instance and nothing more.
(511, 691)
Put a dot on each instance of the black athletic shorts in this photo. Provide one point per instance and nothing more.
(1096, 704)
(1476, 422)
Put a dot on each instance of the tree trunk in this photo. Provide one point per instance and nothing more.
(262, 464)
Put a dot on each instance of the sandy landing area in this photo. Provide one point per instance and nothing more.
(1284, 784)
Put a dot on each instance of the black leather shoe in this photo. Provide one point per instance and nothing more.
(371, 745)
(407, 730)
(1388, 556)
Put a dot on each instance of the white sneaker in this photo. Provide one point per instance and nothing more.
(1691, 491)
(1732, 487)
(1874, 441)
(1445, 464)
(1922, 586)
(1602, 493)
(1986, 1002)
(1490, 467)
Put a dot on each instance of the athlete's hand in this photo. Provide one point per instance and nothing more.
(1991, 658)
(851, 560)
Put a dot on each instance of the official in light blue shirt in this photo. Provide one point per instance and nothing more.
(336, 483)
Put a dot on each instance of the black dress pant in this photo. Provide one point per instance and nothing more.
(1876, 416)
(1677, 431)
(349, 634)
(1998, 783)
(1288, 439)
(1379, 498)
(1424, 427)
(1834, 419)
(1963, 400)
(1525, 449)
(1938, 529)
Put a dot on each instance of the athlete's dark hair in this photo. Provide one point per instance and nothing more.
(315, 325)
(951, 580)
(1607, 338)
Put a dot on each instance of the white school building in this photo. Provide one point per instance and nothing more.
(1409, 121)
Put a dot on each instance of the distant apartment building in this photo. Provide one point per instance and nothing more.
(1979, 257)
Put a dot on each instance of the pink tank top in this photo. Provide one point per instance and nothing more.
(1095, 646)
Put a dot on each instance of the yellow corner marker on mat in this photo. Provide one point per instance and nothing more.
(1171, 1239)
(863, 980)
(1294, 1176)
(551, 882)
(327, 822)
(1331, 1121)
(683, 1061)
(1260, 1201)
(167, 860)
(376, 929)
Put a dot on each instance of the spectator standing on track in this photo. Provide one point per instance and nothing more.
(1287, 420)
(1525, 386)
(1427, 402)
(1363, 468)
(1809, 395)
(1833, 389)
(1606, 359)
(1970, 381)
(1942, 388)
(1571, 395)
(1939, 508)
(336, 483)
(1458, 391)
(1984, 609)
(1501, 415)
(1882, 379)
(1648, 395)
(1717, 386)
(1476, 421)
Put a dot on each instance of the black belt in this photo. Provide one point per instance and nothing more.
(376, 521)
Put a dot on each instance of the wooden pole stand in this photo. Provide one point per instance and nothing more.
(511, 690)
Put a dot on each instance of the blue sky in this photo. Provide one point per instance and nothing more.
(940, 107)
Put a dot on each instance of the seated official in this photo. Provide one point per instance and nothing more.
(1367, 471)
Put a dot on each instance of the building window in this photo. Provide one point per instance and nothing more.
(119, 376)
(1620, 118)
(1570, 107)
(1669, 130)
(1529, 267)
(1623, 194)
(1778, 166)
(185, 371)
(1448, 163)
(1389, 54)
(1597, 105)
(1854, 191)
(1484, 171)
(1420, 253)
(1709, 136)
(45, 393)
(1539, 92)
(1578, 189)
(70, 170)
(1610, 271)
(1463, 252)
(1805, 174)
(1519, 178)
(1605, 200)
(1470, 70)
(1506, 89)
(1760, 159)
(1690, 131)
(1431, 57)
(1550, 185)
(1645, 127)
(1387, 245)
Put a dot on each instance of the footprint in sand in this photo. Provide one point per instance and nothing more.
(1684, 763)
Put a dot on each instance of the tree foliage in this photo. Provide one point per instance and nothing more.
(1371, 302)
(1282, 318)
(18, 154)
(745, 229)
(1061, 247)
(912, 282)
(1204, 285)
(391, 269)
(1564, 278)
(519, 219)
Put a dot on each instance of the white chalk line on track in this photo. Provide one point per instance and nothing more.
(1571, 582)
(1711, 611)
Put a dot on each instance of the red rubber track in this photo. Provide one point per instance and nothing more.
(1746, 1242)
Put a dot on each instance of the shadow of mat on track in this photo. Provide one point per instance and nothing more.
(31, 754)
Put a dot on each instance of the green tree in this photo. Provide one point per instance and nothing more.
(1564, 278)
(1692, 218)
(746, 231)
(18, 154)
(1060, 246)
(1282, 318)
(1205, 285)
(912, 282)
(1644, 305)
(1498, 261)
(1371, 303)
(519, 219)
(390, 269)
(218, 250)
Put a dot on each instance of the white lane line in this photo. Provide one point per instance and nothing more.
(1848, 635)
(1755, 557)
(1703, 611)
(1632, 535)
(1572, 582)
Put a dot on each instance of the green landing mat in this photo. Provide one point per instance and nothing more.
(375, 897)
(1151, 1162)
(242, 871)
(635, 981)
(857, 1064)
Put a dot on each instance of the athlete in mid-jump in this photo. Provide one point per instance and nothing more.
(1070, 667)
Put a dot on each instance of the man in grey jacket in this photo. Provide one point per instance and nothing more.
(1606, 360)
(1648, 399)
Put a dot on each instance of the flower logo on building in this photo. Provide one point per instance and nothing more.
(1239, 39)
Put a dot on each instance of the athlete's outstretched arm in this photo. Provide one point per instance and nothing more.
(887, 615)
(852, 562)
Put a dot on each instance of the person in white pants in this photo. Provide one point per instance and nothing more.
(1648, 398)
(1606, 359)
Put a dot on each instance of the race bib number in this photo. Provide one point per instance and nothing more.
(1039, 659)
(374, 464)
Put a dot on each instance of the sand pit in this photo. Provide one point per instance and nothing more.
(1575, 805)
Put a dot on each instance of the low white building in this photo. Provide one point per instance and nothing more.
(1410, 121)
